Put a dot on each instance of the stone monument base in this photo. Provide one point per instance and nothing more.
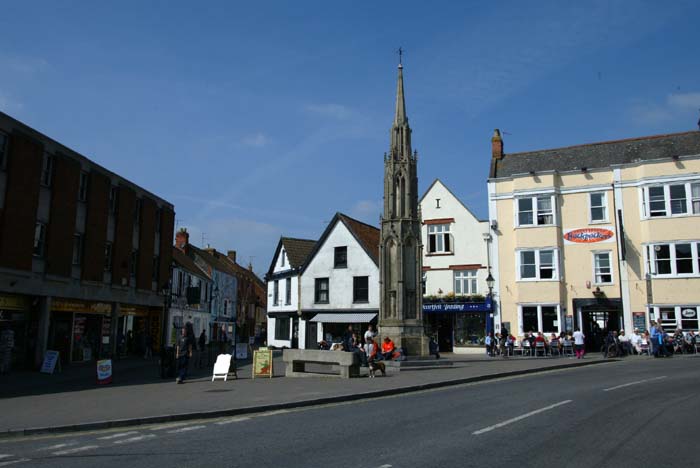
(409, 337)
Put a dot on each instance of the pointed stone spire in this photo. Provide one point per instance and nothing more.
(400, 117)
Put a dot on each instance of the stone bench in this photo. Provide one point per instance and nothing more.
(297, 359)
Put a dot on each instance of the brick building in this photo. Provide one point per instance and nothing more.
(84, 253)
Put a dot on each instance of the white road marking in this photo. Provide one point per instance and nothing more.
(273, 413)
(12, 462)
(135, 439)
(521, 417)
(116, 436)
(58, 446)
(185, 429)
(76, 450)
(169, 426)
(232, 420)
(633, 383)
(384, 466)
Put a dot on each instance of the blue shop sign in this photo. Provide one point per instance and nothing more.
(457, 307)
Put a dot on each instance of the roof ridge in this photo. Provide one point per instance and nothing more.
(357, 221)
(297, 238)
(605, 142)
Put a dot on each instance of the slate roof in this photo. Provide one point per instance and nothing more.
(598, 155)
(298, 250)
(186, 263)
(215, 260)
(366, 235)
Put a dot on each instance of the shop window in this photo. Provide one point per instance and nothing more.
(530, 322)
(288, 291)
(439, 238)
(82, 191)
(465, 282)
(39, 239)
(536, 211)
(667, 316)
(470, 328)
(360, 289)
(282, 328)
(550, 319)
(689, 318)
(276, 293)
(603, 268)
(599, 209)
(340, 257)
(321, 291)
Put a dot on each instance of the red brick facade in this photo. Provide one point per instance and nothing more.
(61, 228)
(123, 236)
(24, 162)
(96, 227)
(167, 224)
(147, 229)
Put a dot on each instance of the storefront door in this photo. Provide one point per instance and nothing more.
(311, 335)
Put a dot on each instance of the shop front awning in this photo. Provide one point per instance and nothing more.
(365, 317)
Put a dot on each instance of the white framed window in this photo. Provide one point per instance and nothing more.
(674, 199)
(685, 317)
(538, 264)
(465, 282)
(535, 211)
(439, 238)
(602, 268)
(680, 259)
(599, 207)
(536, 318)
(282, 258)
(276, 293)
(288, 291)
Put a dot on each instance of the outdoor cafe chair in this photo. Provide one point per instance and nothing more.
(526, 348)
(539, 346)
(568, 348)
(554, 348)
(644, 346)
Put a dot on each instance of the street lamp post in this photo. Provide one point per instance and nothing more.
(490, 282)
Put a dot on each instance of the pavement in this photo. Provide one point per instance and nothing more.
(32, 402)
(633, 412)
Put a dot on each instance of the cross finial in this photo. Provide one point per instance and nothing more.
(400, 52)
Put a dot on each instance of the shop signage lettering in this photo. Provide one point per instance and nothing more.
(13, 302)
(639, 320)
(104, 371)
(589, 235)
(262, 363)
(457, 307)
(61, 305)
(689, 313)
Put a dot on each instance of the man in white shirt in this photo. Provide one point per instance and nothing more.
(625, 343)
(370, 333)
(636, 341)
(578, 343)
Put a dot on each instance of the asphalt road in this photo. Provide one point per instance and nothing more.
(639, 412)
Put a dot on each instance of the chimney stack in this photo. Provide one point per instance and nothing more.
(182, 238)
(497, 145)
(232, 255)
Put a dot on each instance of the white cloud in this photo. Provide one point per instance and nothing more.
(257, 140)
(337, 111)
(675, 107)
(684, 101)
(8, 104)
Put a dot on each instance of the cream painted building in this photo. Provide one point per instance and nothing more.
(597, 235)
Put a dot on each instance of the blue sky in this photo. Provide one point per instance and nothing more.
(261, 119)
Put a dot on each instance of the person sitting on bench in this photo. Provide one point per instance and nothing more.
(388, 348)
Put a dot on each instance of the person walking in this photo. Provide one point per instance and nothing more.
(579, 338)
(183, 353)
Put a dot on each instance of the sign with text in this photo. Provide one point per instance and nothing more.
(589, 235)
(49, 364)
(639, 321)
(241, 350)
(457, 307)
(262, 363)
(104, 372)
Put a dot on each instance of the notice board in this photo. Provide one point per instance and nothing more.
(262, 363)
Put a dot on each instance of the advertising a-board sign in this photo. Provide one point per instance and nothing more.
(262, 363)
(104, 371)
(50, 362)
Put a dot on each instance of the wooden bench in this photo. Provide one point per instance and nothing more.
(297, 359)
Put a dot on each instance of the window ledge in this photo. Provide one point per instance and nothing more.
(673, 216)
(536, 226)
(439, 254)
(536, 280)
(605, 221)
(360, 302)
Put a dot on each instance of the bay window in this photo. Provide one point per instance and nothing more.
(673, 259)
(536, 211)
(538, 264)
(676, 199)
